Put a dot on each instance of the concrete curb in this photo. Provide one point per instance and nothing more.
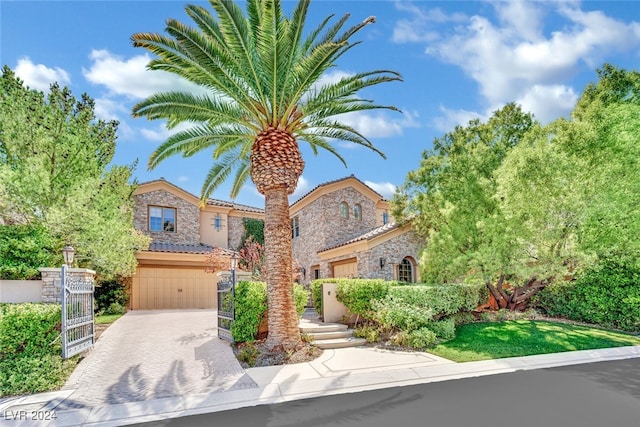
(306, 380)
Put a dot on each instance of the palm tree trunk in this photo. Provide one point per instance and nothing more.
(283, 319)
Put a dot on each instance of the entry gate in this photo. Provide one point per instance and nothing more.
(226, 307)
(77, 314)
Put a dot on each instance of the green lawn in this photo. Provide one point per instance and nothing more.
(107, 318)
(494, 340)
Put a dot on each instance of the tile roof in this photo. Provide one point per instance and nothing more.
(179, 248)
(366, 236)
(236, 206)
(212, 202)
(334, 181)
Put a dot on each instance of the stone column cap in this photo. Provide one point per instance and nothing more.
(71, 270)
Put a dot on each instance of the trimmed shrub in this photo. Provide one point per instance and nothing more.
(357, 294)
(392, 313)
(444, 329)
(301, 296)
(251, 308)
(606, 295)
(369, 332)
(414, 307)
(30, 349)
(316, 295)
(422, 338)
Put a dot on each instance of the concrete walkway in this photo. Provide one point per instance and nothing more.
(155, 354)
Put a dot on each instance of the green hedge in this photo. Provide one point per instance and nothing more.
(316, 294)
(415, 307)
(607, 295)
(251, 308)
(30, 349)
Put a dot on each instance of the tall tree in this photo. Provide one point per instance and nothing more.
(263, 94)
(452, 201)
(55, 172)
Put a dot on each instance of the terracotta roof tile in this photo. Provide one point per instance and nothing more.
(179, 248)
(366, 236)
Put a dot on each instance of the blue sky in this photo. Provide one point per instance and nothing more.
(459, 60)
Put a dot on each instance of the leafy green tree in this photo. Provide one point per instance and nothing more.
(262, 94)
(452, 201)
(54, 173)
(23, 248)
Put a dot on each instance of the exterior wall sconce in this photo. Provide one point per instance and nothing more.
(304, 272)
(382, 262)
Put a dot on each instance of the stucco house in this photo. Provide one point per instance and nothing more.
(341, 228)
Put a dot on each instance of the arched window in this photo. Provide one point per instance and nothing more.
(344, 210)
(357, 212)
(405, 271)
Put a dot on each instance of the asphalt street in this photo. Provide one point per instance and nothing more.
(603, 394)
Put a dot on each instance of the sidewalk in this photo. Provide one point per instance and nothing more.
(337, 371)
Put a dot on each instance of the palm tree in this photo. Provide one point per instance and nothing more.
(262, 93)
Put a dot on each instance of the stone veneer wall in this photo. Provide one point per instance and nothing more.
(235, 232)
(52, 283)
(393, 251)
(322, 226)
(187, 217)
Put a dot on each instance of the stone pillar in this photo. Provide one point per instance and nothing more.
(52, 283)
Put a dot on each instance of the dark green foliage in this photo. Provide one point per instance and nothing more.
(316, 295)
(253, 227)
(251, 308)
(607, 295)
(30, 349)
(444, 329)
(25, 248)
(111, 297)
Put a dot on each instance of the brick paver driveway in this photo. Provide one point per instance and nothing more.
(154, 354)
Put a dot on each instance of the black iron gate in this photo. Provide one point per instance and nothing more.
(226, 307)
(77, 314)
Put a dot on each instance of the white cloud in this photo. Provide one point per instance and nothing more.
(512, 58)
(109, 109)
(130, 77)
(302, 189)
(548, 103)
(451, 118)
(39, 76)
(421, 26)
(160, 133)
(385, 189)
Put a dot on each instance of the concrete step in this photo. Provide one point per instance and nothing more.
(339, 343)
(312, 328)
(318, 336)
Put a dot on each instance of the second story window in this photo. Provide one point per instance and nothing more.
(357, 212)
(217, 222)
(162, 219)
(295, 227)
(385, 218)
(344, 210)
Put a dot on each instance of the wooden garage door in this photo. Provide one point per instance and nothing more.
(162, 288)
(346, 268)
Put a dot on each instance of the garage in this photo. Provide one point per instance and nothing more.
(162, 287)
(345, 268)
